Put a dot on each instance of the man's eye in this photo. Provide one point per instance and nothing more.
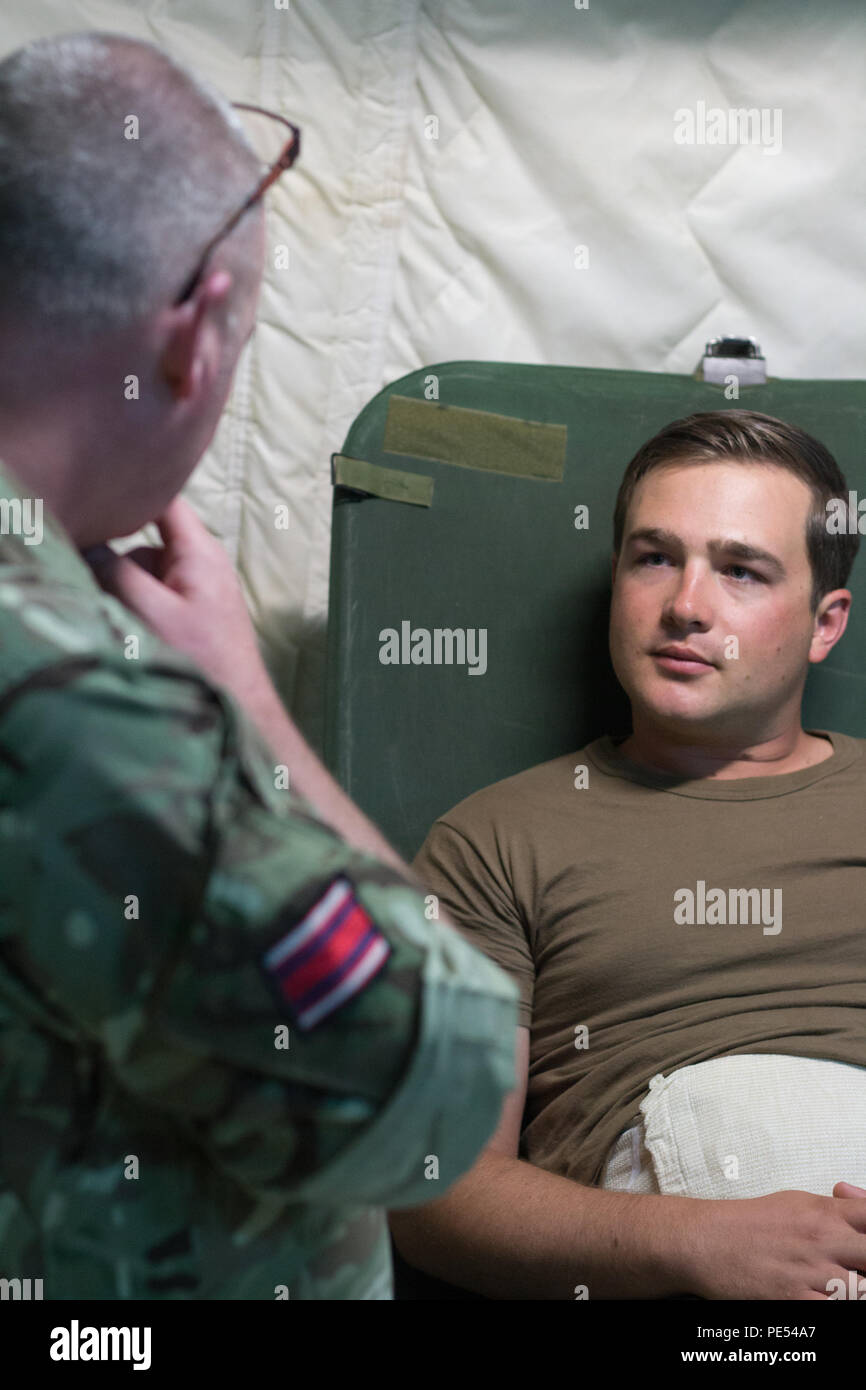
(658, 555)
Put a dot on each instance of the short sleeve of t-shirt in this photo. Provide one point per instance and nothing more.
(466, 869)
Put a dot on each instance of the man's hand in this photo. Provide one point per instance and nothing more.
(788, 1245)
(188, 594)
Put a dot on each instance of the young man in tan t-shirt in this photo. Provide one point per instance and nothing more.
(723, 558)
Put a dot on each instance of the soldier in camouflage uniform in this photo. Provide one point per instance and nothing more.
(202, 1094)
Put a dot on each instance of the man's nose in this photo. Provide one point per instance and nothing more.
(690, 599)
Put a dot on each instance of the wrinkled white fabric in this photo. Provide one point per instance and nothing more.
(745, 1126)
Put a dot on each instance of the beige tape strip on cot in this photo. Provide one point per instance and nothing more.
(392, 483)
(475, 438)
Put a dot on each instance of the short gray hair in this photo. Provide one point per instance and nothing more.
(98, 229)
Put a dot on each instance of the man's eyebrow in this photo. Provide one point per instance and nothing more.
(726, 545)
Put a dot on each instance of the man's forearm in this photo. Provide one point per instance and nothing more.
(511, 1230)
(309, 778)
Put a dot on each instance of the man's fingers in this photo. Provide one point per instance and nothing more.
(129, 581)
(848, 1189)
(103, 560)
(180, 526)
(149, 557)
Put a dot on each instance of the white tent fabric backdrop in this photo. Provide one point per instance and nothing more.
(457, 154)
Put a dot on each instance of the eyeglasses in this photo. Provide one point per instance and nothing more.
(284, 160)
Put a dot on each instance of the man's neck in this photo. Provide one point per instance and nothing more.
(772, 758)
(36, 461)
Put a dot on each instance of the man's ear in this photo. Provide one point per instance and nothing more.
(185, 358)
(831, 619)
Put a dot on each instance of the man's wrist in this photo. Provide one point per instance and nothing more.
(258, 698)
(677, 1229)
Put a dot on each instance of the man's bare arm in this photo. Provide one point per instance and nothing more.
(308, 776)
(511, 1230)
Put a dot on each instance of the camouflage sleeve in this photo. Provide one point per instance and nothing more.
(152, 866)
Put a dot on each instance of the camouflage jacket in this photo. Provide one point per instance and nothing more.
(176, 1121)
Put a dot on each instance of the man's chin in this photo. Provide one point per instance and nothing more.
(680, 713)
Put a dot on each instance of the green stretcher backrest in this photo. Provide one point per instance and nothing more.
(469, 599)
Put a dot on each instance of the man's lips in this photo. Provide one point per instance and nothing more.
(681, 659)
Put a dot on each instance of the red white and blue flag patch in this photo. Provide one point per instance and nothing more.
(328, 957)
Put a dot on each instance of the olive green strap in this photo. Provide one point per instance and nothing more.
(475, 438)
(397, 486)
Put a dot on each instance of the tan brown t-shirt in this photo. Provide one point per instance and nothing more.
(622, 910)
